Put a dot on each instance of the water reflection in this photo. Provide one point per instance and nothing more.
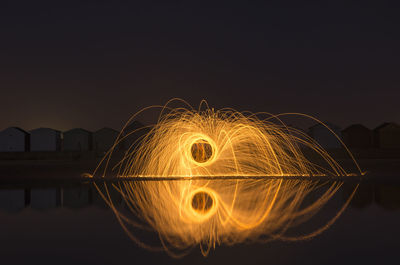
(44, 196)
(388, 196)
(207, 213)
(364, 196)
(77, 197)
(12, 200)
(368, 231)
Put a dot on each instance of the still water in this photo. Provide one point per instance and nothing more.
(67, 222)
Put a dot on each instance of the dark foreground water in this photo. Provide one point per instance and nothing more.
(68, 223)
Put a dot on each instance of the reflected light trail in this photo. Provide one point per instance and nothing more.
(197, 149)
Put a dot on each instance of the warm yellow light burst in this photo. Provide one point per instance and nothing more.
(207, 156)
(207, 213)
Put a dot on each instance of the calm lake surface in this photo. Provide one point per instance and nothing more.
(66, 222)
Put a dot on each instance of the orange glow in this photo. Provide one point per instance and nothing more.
(212, 159)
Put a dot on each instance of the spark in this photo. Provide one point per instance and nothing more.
(209, 153)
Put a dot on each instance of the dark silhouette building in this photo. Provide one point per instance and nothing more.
(357, 136)
(325, 137)
(45, 139)
(104, 139)
(77, 139)
(387, 136)
(14, 139)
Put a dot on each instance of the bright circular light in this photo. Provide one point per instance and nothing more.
(201, 151)
(202, 202)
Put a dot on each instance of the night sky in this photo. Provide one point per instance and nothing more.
(66, 64)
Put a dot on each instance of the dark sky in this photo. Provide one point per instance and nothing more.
(89, 64)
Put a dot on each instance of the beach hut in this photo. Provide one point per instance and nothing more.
(324, 137)
(45, 139)
(357, 136)
(77, 139)
(14, 139)
(104, 139)
(387, 135)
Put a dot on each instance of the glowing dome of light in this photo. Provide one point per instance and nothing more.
(214, 170)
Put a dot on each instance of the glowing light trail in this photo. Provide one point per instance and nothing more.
(188, 145)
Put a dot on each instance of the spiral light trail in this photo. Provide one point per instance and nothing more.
(205, 177)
